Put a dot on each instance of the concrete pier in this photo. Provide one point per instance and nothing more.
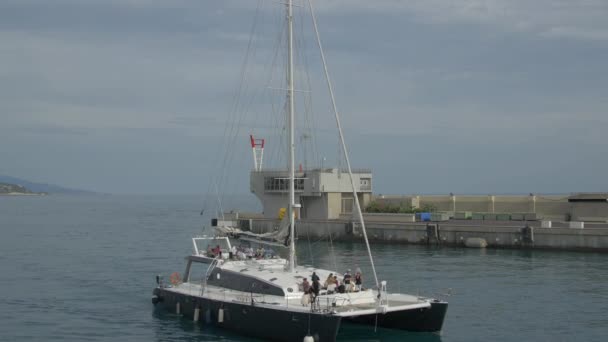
(498, 234)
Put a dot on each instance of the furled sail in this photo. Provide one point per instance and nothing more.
(280, 235)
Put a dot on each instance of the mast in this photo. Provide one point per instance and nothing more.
(291, 148)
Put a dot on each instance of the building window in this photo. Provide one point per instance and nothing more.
(365, 184)
(347, 204)
(282, 184)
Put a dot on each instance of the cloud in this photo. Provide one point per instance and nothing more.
(581, 20)
(577, 33)
(108, 82)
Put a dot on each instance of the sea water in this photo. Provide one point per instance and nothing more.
(82, 268)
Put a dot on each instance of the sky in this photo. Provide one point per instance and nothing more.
(436, 96)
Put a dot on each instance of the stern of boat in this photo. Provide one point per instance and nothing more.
(423, 319)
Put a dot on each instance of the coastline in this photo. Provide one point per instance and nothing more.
(23, 194)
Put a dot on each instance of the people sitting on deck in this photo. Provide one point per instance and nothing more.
(331, 288)
(210, 251)
(260, 252)
(270, 253)
(241, 255)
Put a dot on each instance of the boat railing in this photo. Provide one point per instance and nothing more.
(326, 304)
(210, 269)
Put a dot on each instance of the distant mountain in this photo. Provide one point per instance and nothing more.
(43, 187)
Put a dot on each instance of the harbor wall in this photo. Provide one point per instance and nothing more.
(554, 207)
(509, 234)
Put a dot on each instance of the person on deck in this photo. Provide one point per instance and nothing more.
(331, 284)
(339, 287)
(348, 286)
(316, 286)
(329, 280)
(358, 281)
(347, 277)
(217, 251)
(305, 286)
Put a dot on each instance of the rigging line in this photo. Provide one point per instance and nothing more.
(214, 179)
(308, 103)
(298, 86)
(247, 109)
(309, 129)
(241, 107)
(275, 115)
(305, 85)
(271, 74)
(308, 109)
(219, 203)
(337, 117)
(278, 117)
(259, 93)
(242, 84)
(331, 248)
(312, 258)
(331, 241)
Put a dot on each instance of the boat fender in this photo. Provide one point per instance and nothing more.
(220, 315)
(196, 314)
(309, 339)
(155, 299)
(177, 308)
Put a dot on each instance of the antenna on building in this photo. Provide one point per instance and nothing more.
(257, 145)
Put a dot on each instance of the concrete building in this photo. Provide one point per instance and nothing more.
(323, 193)
(589, 207)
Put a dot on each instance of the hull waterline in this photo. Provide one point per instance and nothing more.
(251, 320)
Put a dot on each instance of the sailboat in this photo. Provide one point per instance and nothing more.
(267, 297)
